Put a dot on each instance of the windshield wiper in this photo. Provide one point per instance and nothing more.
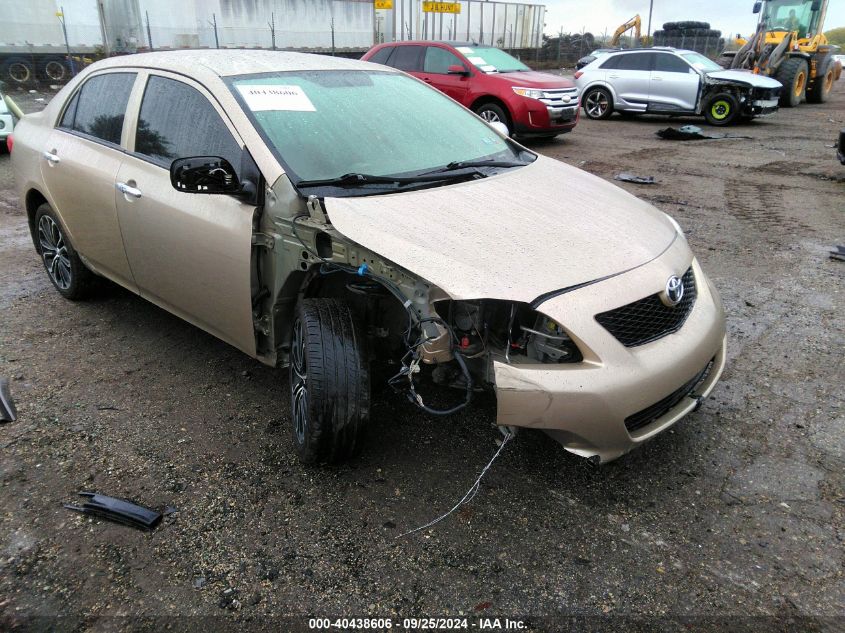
(469, 164)
(355, 179)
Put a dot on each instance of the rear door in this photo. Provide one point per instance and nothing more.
(190, 253)
(436, 63)
(630, 75)
(674, 84)
(407, 58)
(79, 165)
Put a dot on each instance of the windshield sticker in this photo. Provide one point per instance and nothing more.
(478, 61)
(261, 98)
(487, 68)
(466, 50)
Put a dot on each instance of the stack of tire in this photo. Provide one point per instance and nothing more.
(696, 36)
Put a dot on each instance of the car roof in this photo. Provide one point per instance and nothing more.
(452, 43)
(651, 49)
(228, 62)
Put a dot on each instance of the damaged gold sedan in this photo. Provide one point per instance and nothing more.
(348, 221)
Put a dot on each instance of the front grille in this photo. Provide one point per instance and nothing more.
(649, 319)
(650, 414)
(555, 98)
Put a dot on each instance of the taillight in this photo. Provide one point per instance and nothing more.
(10, 143)
(578, 74)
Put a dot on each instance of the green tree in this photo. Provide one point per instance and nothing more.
(836, 36)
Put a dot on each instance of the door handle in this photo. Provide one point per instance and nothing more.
(657, 78)
(123, 188)
(614, 76)
(52, 158)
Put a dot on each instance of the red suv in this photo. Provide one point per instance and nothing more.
(489, 82)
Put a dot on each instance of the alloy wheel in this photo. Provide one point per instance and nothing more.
(54, 252)
(299, 383)
(597, 104)
(490, 116)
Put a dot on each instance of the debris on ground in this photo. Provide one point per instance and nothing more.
(838, 253)
(117, 510)
(692, 133)
(640, 180)
(8, 412)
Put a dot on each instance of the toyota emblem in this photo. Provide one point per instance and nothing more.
(674, 291)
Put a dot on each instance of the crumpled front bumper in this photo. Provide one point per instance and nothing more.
(584, 405)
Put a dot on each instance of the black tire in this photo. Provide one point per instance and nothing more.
(691, 24)
(670, 26)
(793, 73)
(17, 71)
(722, 109)
(330, 381)
(822, 86)
(55, 70)
(66, 271)
(598, 103)
(491, 112)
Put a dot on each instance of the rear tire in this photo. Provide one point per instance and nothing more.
(793, 73)
(18, 71)
(55, 70)
(820, 91)
(330, 381)
(598, 104)
(65, 269)
(722, 109)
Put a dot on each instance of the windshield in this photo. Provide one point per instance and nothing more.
(790, 15)
(492, 60)
(324, 124)
(701, 62)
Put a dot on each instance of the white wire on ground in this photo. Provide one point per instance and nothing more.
(473, 490)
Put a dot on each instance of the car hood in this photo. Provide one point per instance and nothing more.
(746, 77)
(531, 79)
(515, 236)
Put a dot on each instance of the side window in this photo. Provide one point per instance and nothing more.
(611, 63)
(70, 113)
(99, 107)
(438, 60)
(381, 55)
(635, 61)
(407, 58)
(177, 121)
(670, 64)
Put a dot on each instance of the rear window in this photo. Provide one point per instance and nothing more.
(99, 107)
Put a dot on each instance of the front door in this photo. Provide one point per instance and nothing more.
(436, 72)
(190, 253)
(674, 85)
(630, 74)
(79, 164)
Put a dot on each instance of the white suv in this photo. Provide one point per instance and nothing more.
(675, 82)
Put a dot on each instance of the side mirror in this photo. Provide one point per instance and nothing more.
(205, 174)
(457, 69)
(757, 6)
(500, 127)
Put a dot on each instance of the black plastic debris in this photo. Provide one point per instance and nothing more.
(692, 133)
(838, 253)
(8, 412)
(117, 510)
(640, 180)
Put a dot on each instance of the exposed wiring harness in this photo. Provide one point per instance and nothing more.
(414, 336)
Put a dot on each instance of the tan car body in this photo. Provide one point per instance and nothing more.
(519, 236)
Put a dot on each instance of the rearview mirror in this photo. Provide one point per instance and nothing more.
(757, 7)
(205, 174)
(457, 69)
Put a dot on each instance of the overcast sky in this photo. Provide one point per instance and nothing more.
(729, 16)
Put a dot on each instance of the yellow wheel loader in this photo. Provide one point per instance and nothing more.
(790, 46)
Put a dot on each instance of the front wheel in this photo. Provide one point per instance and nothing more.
(722, 109)
(598, 103)
(329, 381)
(494, 113)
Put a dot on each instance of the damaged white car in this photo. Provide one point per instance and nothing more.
(346, 220)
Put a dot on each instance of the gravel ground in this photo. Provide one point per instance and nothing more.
(737, 513)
